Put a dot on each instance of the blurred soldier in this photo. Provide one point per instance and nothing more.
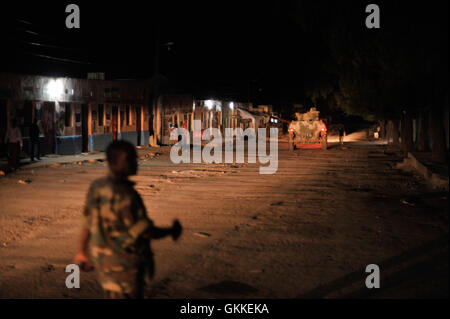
(341, 134)
(323, 138)
(34, 140)
(13, 139)
(292, 145)
(116, 224)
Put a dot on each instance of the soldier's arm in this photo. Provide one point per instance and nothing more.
(81, 258)
(158, 232)
(143, 226)
(84, 240)
(85, 235)
(154, 232)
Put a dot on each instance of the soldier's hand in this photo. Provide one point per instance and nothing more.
(176, 230)
(82, 260)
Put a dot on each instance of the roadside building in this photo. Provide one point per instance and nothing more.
(253, 118)
(85, 115)
(75, 115)
(181, 110)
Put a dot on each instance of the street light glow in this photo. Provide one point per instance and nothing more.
(55, 88)
(209, 104)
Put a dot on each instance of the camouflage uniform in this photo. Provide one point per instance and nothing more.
(116, 218)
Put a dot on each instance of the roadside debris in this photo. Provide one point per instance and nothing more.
(48, 268)
(151, 155)
(277, 203)
(26, 181)
(202, 234)
(362, 190)
(404, 202)
(257, 271)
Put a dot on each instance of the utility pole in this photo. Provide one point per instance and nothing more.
(157, 82)
(157, 49)
(156, 89)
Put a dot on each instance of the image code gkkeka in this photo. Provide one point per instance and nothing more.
(224, 158)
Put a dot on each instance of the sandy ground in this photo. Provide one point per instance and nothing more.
(306, 232)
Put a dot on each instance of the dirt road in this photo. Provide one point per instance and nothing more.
(307, 231)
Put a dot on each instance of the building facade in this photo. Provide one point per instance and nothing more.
(181, 110)
(85, 115)
(75, 115)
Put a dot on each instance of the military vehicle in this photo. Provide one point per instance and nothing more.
(308, 129)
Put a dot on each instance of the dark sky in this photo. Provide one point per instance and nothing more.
(228, 44)
(259, 48)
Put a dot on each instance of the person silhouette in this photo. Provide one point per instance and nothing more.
(34, 141)
(341, 134)
(118, 230)
(13, 139)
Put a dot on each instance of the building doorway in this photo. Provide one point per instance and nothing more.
(114, 122)
(3, 126)
(138, 125)
(48, 126)
(84, 128)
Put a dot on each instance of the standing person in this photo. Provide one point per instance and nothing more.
(173, 128)
(292, 145)
(114, 129)
(341, 134)
(34, 140)
(116, 224)
(13, 138)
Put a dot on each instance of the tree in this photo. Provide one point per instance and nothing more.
(394, 74)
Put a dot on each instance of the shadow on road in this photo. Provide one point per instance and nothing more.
(421, 272)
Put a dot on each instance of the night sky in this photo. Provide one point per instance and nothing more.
(267, 51)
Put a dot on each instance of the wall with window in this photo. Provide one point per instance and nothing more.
(131, 124)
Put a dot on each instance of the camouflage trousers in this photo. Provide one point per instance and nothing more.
(126, 284)
(121, 276)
